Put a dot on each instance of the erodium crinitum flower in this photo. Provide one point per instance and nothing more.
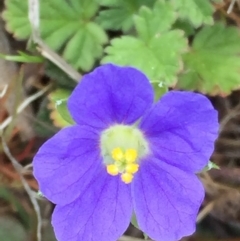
(127, 155)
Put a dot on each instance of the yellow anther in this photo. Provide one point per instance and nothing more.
(132, 168)
(130, 155)
(117, 154)
(127, 177)
(112, 170)
(124, 164)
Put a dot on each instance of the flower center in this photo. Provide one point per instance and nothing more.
(122, 147)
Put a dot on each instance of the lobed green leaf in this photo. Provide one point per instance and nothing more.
(213, 65)
(66, 26)
(119, 13)
(152, 22)
(195, 11)
(159, 59)
(157, 51)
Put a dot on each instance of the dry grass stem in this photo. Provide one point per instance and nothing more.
(23, 105)
(33, 15)
(27, 188)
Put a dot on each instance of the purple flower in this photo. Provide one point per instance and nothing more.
(127, 155)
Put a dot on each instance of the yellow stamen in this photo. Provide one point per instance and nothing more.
(124, 164)
(130, 155)
(112, 170)
(127, 177)
(117, 154)
(132, 168)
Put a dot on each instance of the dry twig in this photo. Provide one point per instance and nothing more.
(230, 8)
(33, 15)
(27, 188)
(22, 106)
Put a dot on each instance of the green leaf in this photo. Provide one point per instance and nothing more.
(159, 59)
(198, 12)
(60, 97)
(109, 3)
(212, 66)
(217, 1)
(159, 90)
(188, 29)
(23, 58)
(62, 109)
(60, 94)
(16, 18)
(119, 14)
(157, 51)
(65, 26)
(153, 22)
(134, 221)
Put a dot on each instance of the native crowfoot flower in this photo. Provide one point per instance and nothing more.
(127, 154)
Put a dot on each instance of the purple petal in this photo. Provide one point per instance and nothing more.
(66, 163)
(166, 200)
(181, 129)
(110, 94)
(102, 212)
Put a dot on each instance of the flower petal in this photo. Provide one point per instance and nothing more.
(66, 163)
(110, 94)
(166, 200)
(102, 212)
(181, 129)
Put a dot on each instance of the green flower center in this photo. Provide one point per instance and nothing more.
(122, 147)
